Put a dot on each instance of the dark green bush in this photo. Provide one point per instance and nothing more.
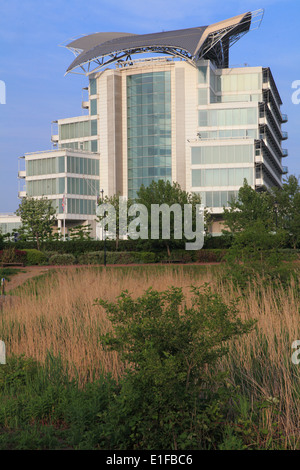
(34, 257)
(167, 400)
(62, 259)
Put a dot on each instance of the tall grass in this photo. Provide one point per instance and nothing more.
(57, 313)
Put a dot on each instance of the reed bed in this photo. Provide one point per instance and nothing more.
(57, 313)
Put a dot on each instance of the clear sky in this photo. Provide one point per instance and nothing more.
(32, 64)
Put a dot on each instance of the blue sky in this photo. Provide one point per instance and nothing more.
(32, 64)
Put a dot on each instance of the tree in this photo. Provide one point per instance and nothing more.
(288, 209)
(114, 201)
(163, 192)
(80, 232)
(249, 207)
(37, 217)
(168, 344)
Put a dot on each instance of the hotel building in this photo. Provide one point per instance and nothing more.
(179, 113)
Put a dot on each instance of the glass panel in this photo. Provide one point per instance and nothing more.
(202, 74)
(93, 86)
(93, 107)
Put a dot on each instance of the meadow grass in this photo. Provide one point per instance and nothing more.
(57, 313)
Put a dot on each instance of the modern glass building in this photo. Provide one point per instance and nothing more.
(180, 113)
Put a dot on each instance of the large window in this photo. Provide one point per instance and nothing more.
(221, 177)
(218, 198)
(228, 117)
(222, 154)
(82, 186)
(74, 130)
(148, 128)
(88, 145)
(81, 206)
(93, 86)
(241, 82)
(45, 166)
(93, 107)
(83, 166)
(45, 187)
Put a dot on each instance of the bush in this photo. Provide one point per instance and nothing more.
(34, 257)
(167, 400)
(64, 259)
(117, 257)
(210, 256)
(12, 255)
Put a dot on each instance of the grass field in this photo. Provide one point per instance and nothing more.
(56, 312)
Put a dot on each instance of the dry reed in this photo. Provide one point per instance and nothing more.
(59, 315)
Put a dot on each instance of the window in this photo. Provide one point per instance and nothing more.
(93, 107)
(93, 86)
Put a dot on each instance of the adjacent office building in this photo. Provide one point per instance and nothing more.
(179, 113)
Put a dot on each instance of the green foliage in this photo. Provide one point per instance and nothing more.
(37, 217)
(288, 209)
(114, 201)
(163, 192)
(1, 241)
(34, 257)
(12, 255)
(249, 207)
(80, 232)
(167, 400)
(41, 408)
(62, 259)
(116, 257)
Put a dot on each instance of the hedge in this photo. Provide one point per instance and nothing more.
(34, 257)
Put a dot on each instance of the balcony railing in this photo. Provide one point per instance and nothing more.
(285, 152)
(284, 117)
(285, 135)
(285, 170)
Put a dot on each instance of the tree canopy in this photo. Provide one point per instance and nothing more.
(37, 217)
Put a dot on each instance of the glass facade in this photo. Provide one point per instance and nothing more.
(74, 130)
(228, 117)
(149, 129)
(93, 107)
(229, 134)
(222, 154)
(88, 145)
(81, 206)
(93, 86)
(221, 177)
(218, 198)
(45, 166)
(83, 166)
(9, 227)
(82, 186)
(45, 187)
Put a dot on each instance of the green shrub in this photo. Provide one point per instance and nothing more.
(146, 257)
(34, 257)
(94, 257)
(167, 400)
(64, 259)
(210, 256)
(12, 255)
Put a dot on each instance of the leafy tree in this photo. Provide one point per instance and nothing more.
(37, 217)
(167, 400)
(249, 207)
(163, 192)
(114, 201)
(80, 232)
(288, 209)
